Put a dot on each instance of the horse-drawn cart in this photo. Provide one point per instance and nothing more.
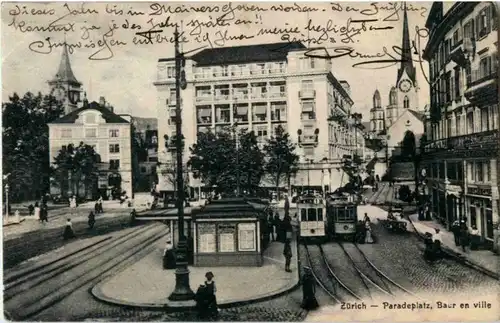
(395, 221)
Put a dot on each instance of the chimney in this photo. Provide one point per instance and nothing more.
(102, 101)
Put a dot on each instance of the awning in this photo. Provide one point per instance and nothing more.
(204, 112)
(242, 111)
(259, 109)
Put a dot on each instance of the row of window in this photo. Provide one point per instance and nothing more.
(89, 133)
(240, 113)
(474, 29)
(262, 132)
(477, 171)
(458, 124)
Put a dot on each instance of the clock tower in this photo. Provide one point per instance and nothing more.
(406, 87)
(65, 87)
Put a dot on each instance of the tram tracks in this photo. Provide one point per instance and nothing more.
(35, 289)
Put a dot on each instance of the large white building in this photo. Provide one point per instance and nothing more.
(462, 131)
(262, 87)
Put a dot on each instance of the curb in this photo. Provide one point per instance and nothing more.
(459, 258)
(13, 223)
(97, 293)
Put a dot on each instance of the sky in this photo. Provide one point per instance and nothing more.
(126, 79)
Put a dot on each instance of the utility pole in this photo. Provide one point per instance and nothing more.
(182, 291)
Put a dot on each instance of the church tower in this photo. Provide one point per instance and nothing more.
(392, 109)
(65, 87)
(377, 123)
(406, 83)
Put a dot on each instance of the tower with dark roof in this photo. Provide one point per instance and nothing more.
(406, 94)
(64, 86)
(377, 123)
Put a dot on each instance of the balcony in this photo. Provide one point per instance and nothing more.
(258, 95)
(480, 144)
(307, 94)
(239, 73)
(277, 95)
(308, 140)
(482, 84)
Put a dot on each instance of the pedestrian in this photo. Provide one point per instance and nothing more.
(368, 232)
(44, 216)
(68, 230)
(366, 218)
(276, 227)
(437, 241)
(464, 235)
(133, 216)
(37, 212)
(287, 206)
(91, 220)
(270, 226)
(309, 301)
(429, 247)
(287, 252)
(359, 238)
(474, 238)
(101, 209)
(31, 208)
(169, 256)
(96, 208)
(211, 293)
(455, 229)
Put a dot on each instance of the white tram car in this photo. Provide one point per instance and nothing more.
(312, 219)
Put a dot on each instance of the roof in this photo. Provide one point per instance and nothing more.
(245, 54)
(230, 208)
(418, 115)
(107, 114)
(65, 73)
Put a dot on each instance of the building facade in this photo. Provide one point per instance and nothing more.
(259, 88)
(462, 129)
(94, 124)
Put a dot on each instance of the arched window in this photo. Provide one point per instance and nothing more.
(406, 103)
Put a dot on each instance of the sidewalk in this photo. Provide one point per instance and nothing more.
(147, 285)
(484, 260)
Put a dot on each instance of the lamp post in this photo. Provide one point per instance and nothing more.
(182, 291)
(7, 200)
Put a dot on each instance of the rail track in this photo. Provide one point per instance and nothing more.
(31, 290)
(375, 281)
(321, 280)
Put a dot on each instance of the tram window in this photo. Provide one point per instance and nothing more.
(350, 213)
(312, 215)
(340, 214)
(320, 214)
(303, 215)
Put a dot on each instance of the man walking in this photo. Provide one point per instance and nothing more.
(287, 252)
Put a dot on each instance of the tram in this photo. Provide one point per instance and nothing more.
(312, 218)
(342, 215)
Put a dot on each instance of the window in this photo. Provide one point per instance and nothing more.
(113, 133)
(455, 38)
(170, 71)
(90, 133)
(312, 216)
(406, 102)
(457, 83)
(312, 63)
(66, 133)
(90, 118)
(469, 29)
(307, 85)
(303, 215)
(483, 22)
(114, 148)
(494, 117)
(115, 164)
(172, 96)
(470, 123)
(484, 119)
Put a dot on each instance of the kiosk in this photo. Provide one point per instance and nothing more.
(227, 232)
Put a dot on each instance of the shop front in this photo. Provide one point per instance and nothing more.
(480, 213)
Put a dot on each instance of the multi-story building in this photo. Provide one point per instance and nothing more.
(259, 88)
(97, 125)
(462, 130)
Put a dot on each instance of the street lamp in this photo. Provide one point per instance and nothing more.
(182, 291)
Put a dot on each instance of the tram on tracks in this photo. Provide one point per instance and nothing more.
(312, 218)
(342, 215)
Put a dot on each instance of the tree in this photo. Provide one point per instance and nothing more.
(408, 145)
(79, 164)
(25, 143)
(212, 160)
(352, 167)
(281, 157)
(250, 161)
(139, 154)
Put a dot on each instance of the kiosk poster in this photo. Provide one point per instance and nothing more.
(385, 109)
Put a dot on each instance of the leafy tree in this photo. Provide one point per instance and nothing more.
(408, 145)
(25, 143)
(250, 161)
(79, 164)
(139, 154)
(281, 157)
(212, 159)
(352, 167)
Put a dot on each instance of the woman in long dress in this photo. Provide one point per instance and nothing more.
(37, 211)
(368, 237)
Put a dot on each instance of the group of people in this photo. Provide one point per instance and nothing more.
(464, 236)
(364, 230)
(433, 244)
(98, 206)
(41, 213)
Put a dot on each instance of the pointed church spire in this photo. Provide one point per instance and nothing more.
(406, 54)
(65, 73)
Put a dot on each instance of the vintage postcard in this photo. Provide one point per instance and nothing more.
(250, 161)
